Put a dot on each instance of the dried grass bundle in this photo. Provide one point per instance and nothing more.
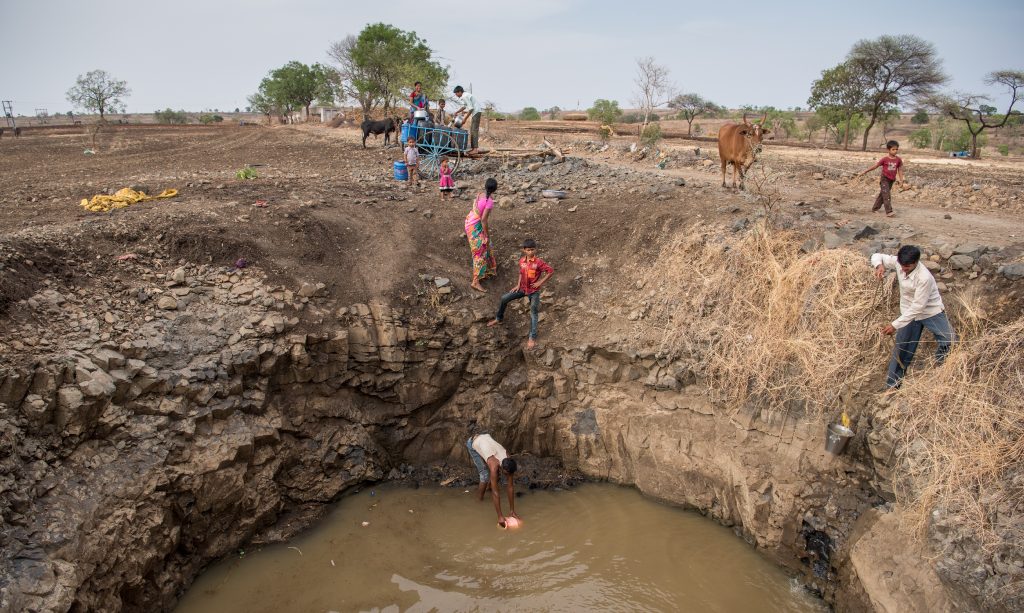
(778, 328)
(962, 436)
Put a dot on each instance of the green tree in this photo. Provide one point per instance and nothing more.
(553, 112)
(921, 138)
(650, 134)
(975, 113)
(295, 86)
(811, 125)
(530, 114)
(605, 111)
(920, 117)
(691, 106)
(894, 68)
(99, 92)
(783, 123)
(379, 66)
(889, 120)
(171, 116)
(260, 102)
(837, 96)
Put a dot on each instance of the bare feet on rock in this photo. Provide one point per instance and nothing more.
(478, 287)
(530, 344)
(493, 323)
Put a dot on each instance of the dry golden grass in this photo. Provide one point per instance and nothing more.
(962, 436)
(781, 330)
(778, 328)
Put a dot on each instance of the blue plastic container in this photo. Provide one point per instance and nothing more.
(401, 172)
(408, 130)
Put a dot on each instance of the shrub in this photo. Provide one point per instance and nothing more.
(605, 111)
(920, 117)
(530, 114)
(697, 129)
(247, 173)
(171, 116)
(651, 134)
(961, 141)
(1004, 150)
(632, 118)
(207, 118)
(921, 138)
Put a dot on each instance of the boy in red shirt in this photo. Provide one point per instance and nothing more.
(533, 273)
(892, 171)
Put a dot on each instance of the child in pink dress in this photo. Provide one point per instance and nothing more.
(446, 183)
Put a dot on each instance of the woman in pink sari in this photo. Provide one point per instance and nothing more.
(479, 238)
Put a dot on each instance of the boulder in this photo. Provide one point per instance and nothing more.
(832, 240)
(861, 231)
(167, 303)
(1014, 271)
(961, 262)
(973, 250)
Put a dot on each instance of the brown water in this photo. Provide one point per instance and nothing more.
(593, 548)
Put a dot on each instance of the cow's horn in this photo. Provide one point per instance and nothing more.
(745, 119)
(765, 118)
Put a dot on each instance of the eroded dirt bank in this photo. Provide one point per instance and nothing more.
(161, 408)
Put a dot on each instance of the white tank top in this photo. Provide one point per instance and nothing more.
(487, 447)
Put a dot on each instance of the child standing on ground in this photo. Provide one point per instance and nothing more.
(446, 184)
(892, 172)
(533, 273)
(412, 160)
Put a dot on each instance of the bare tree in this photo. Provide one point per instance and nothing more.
(690, 106)
(972, 110)
(653, 88)
(894, 68)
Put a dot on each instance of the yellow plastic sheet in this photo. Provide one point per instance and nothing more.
(102, 203)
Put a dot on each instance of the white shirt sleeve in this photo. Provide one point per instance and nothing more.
(889, 261)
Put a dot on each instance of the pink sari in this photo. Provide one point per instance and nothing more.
(484, 264)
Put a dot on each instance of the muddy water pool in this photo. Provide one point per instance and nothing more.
(597, 547)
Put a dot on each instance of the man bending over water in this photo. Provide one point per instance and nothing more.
(489, 456)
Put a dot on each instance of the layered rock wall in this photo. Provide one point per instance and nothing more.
(132, 462)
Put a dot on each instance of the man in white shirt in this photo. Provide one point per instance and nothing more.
(489, 456)
(472, 112)
(920, 308)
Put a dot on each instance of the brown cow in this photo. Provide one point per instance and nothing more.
(739, 145)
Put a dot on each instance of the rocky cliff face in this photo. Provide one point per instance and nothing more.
(133, 455)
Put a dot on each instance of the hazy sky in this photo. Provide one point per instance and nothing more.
(210, 54)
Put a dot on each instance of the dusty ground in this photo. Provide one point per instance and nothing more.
(336, 216)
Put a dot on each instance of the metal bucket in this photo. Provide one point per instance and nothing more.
(420, 114)
(836, 438)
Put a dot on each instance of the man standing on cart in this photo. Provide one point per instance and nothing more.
(470, 110)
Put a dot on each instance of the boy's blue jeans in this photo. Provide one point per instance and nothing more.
(534, 308)
(907, 338)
